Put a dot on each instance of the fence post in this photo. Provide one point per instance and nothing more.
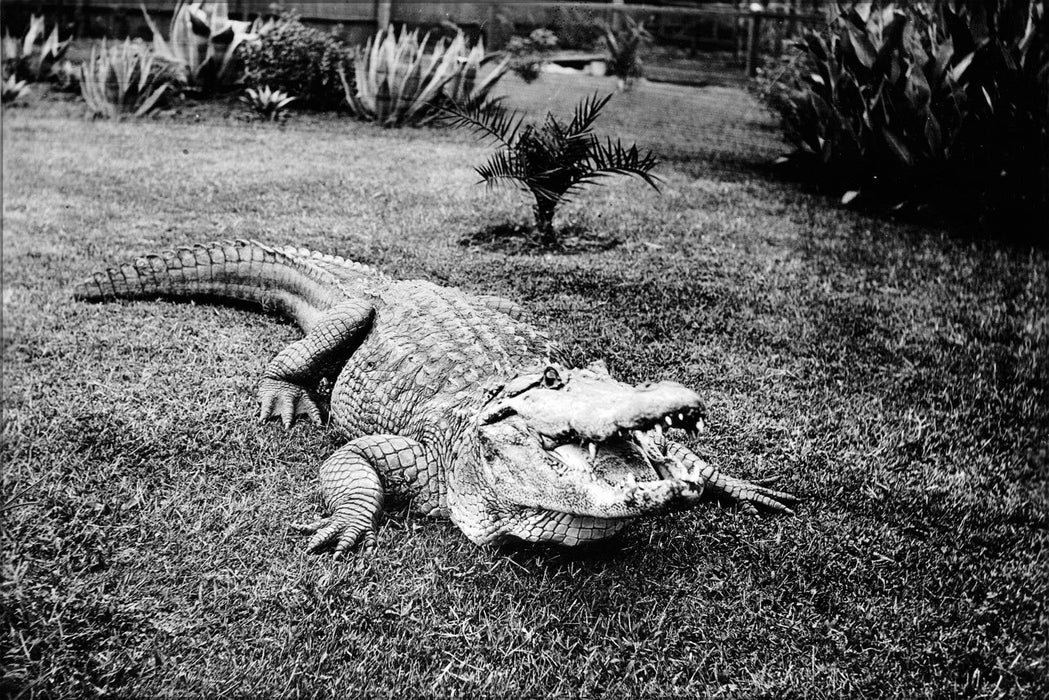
(383, 12)
(617, 20)
(753, 42)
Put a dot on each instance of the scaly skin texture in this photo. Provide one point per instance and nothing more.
(451, 402)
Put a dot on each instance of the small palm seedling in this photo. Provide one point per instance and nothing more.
(267, 103)
(624, 50)
(552, 160)
(14, 89)
(122, 79)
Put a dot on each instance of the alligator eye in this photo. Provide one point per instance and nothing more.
(551, 379)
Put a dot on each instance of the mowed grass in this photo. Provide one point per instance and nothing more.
(893, 376)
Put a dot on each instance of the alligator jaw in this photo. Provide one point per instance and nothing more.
(646, 439)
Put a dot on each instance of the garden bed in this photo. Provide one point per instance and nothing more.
(890, 374)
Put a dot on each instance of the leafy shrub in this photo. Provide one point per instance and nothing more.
(269, 104)
(907, 106)
(552, 160)
(624, 48)
(203, 41)
(528, 54)
(13, 89)
(398, 81)
(27, 61)
(294, 58)
(123, 79)
(66, 76)
(575, 28)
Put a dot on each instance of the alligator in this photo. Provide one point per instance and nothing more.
(453, 404)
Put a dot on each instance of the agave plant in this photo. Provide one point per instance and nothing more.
(203, 42)
(24, 59)
(624, 48)
(13, 89)
(122, 79)
(268, 103)
(398, 80)
(552, 160)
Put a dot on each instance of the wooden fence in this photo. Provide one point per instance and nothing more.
(731, 26)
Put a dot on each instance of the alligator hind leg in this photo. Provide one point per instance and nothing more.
(353, 491)
(288, 387)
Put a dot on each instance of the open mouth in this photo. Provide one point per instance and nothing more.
(615, 457)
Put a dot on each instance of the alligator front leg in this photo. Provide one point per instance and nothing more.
(288, 386)
(353, 491)
(710, 484)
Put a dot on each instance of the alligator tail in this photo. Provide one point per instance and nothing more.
(296, 283)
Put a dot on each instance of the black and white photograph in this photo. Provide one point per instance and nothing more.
(607, 349)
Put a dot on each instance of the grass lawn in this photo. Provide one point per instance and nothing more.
(893, 376)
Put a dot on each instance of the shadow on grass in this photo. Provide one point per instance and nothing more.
(533, 556)
(522, 239)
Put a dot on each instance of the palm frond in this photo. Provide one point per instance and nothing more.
(503, 165)
(586, 113)
(491, 119)
(613, 159)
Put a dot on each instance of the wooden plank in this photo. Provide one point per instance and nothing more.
(478, 13)
(323, 11)
(337, 11)
(437, 12)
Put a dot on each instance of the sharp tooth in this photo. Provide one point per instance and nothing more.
(669, 420)
(593, 450)
(638, 436)
(659, 430)
(681, 417)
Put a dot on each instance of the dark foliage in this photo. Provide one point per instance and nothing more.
(908, 106)
(527, 54)
(299, 60)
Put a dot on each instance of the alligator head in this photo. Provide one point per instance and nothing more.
(569, 455)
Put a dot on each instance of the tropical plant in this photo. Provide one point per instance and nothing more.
(529, 54)
(552, 160)
(267, 103)
(624, 48)
(27, 61)
(13, 89)
(907, 105)
(203, 41)
(122, 79)
(299, 60)
(398, 80)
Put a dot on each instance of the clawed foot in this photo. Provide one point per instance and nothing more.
(752, 495)
(287, 401)
(711, 483)
(345, 528)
